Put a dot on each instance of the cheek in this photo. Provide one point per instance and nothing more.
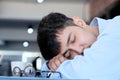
(83, 41)
(80, 39)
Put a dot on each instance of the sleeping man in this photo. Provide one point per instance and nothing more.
(78, 50)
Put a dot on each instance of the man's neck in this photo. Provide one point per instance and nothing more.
(93, 29)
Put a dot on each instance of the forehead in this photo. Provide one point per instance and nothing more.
(62, 37)
(63, 33)
(67, 30)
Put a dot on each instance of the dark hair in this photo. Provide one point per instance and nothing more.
(49, 26)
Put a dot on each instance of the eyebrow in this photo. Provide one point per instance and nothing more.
(68, 40)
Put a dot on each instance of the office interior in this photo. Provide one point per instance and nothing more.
(19, 20)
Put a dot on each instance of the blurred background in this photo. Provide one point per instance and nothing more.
(19, 20)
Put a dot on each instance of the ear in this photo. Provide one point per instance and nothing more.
(79, 21)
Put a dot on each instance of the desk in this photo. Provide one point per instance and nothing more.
(19, 78)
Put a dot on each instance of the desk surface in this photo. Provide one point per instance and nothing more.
(19, 78)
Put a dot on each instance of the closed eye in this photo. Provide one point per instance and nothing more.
(73, 38)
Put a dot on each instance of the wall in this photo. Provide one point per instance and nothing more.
(98, 7)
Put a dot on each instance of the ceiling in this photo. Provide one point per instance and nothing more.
(31, 10)
(17, 15)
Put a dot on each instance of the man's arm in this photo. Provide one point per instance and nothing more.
(54, 63)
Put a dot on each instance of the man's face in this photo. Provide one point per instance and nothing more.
(74, 40)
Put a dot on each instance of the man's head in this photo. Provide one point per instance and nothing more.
(58, 33)
(49, 26)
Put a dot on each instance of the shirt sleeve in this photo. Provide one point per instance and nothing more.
(45, 67)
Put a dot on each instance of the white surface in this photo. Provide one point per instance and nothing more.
(29, 56)
(39, 63)
(19, 64)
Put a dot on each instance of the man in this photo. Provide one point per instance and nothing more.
(49, 29)
(97, 62)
